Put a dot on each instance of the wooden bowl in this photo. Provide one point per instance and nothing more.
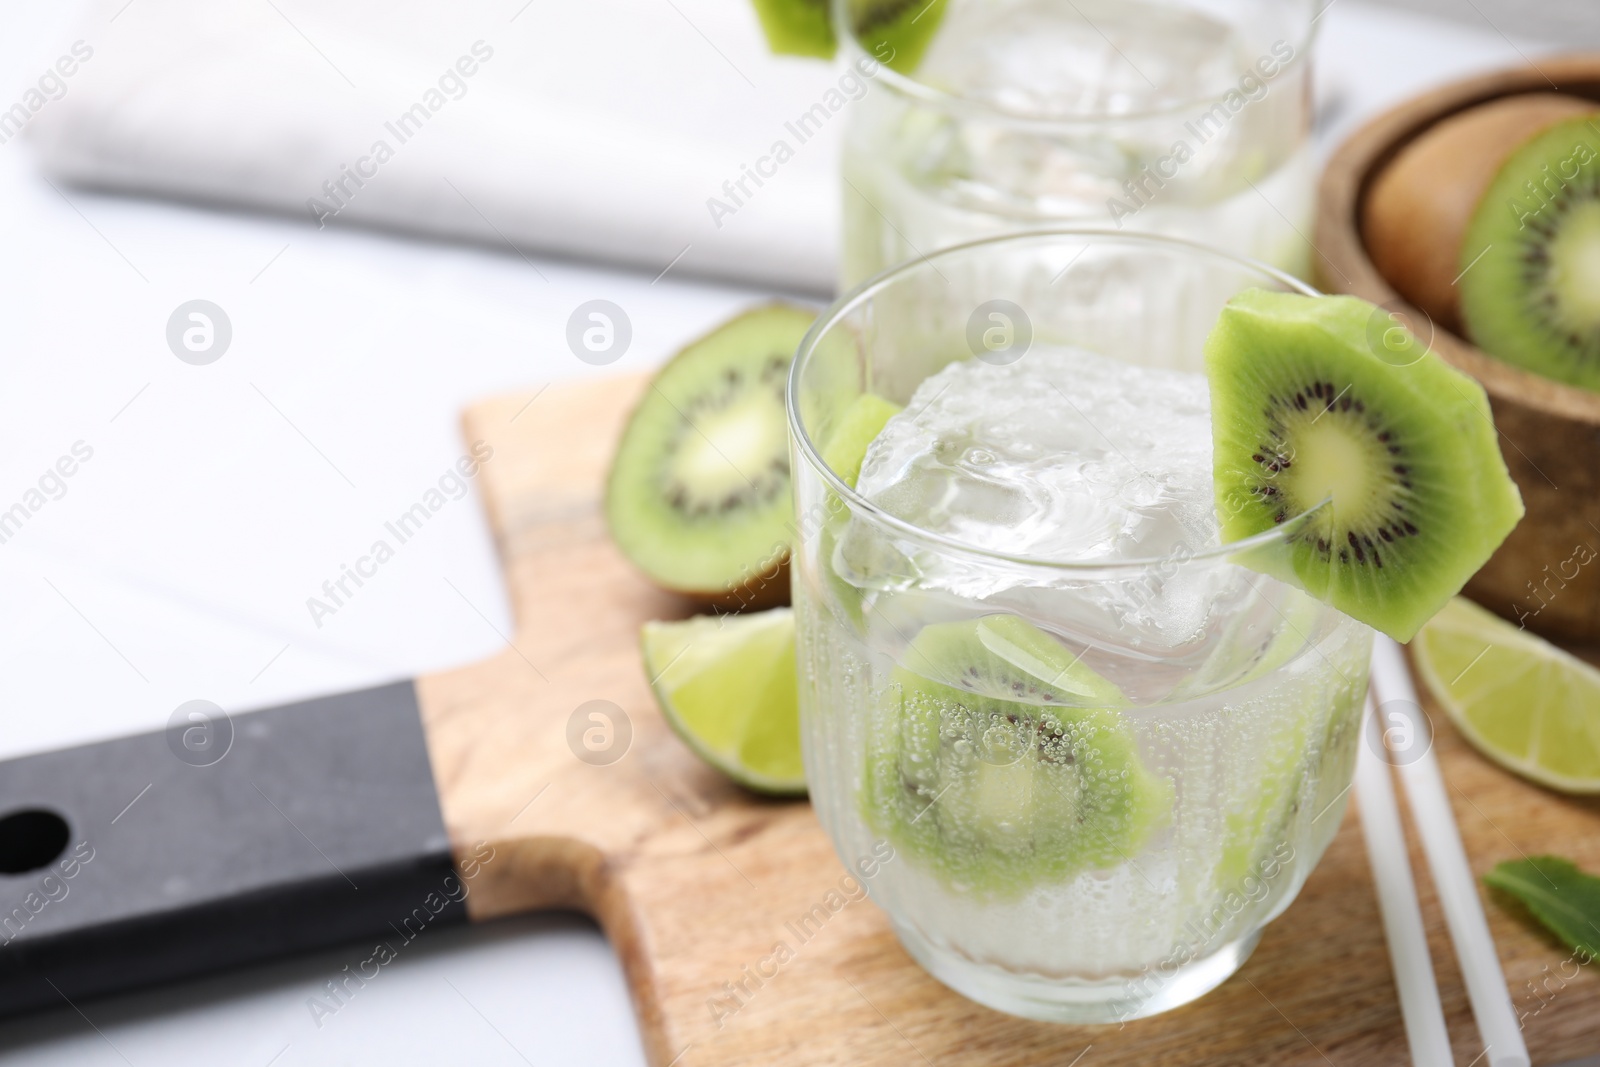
(1547, 574)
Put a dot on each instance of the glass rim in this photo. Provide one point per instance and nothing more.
(845, 304)
(927, 94)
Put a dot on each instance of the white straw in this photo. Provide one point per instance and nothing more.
(1452, 877)
(1397, 898)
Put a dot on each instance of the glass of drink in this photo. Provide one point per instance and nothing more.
(1087, 754)
(1184, 117)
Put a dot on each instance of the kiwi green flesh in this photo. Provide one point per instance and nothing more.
(841, 599)
(797, 27)
(999, 795)
(1300, 751)
(1005, 657)
(844, 450)
(1399, 451)
(894, 32)
(857, 426)
(1252, 647)
(1530, 287)
(698, 497)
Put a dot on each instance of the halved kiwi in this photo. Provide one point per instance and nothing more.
(895, 32)
(999, 760)
(1397, 448)
(1530, 260)
(1415, 216)
(698, 497)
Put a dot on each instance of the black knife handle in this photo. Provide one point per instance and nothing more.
(220, 841)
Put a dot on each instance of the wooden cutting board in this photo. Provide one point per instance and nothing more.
(697, 883)
(495, 789)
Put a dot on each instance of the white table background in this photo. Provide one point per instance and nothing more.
(219, 498)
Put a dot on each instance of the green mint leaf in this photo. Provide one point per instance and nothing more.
(1560, 896)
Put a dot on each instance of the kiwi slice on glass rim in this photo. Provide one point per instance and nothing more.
(698, 497)
(1383, 459)
(1530, 259)
(798, 27)
(895, 32)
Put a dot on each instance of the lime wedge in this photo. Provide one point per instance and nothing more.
(727, 686)
(1520, 700)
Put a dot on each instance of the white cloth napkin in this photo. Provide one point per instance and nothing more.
(596, 128)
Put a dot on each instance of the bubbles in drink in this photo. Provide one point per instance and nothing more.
(1095, 776)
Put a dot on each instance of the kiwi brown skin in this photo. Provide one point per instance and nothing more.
(1416, 211)
(768, 587)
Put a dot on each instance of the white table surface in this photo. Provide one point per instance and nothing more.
(219, 498)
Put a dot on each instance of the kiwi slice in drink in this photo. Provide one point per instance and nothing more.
(895, 32)
(1000, 760)
(857, 427)
(1308, 746)
(1254, 643)
(1392, 451)
(698, 497)
(1255, 662)
(844, 450)
(1530, 259)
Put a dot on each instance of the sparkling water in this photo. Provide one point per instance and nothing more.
(1150, 116)
(1239, 696)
